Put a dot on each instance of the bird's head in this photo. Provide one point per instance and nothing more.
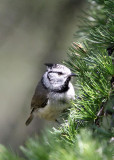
(57, 77)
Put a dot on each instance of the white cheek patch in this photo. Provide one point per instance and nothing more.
(46, 80)
(53, 80)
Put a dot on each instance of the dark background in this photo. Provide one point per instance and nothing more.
(31, 33)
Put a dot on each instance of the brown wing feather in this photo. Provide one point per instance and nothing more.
(39, 100)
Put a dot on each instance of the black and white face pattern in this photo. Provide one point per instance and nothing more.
(57, 78)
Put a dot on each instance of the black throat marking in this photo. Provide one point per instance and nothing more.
(63, 89)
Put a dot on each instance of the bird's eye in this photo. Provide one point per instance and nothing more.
(60, 73)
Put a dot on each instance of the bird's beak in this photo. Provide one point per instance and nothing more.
(72, 74)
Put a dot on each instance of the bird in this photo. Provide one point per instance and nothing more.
(53, 93)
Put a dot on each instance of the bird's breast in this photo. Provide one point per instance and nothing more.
(57, 102)
(52, 110)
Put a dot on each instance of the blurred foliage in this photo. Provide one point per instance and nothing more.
(50, 147)
(83, 147)
(88, 133)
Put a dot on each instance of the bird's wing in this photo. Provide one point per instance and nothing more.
(39, 100)
(40, 97)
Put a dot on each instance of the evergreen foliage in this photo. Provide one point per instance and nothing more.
(88, 132)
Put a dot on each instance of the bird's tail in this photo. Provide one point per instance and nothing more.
(29, 119)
